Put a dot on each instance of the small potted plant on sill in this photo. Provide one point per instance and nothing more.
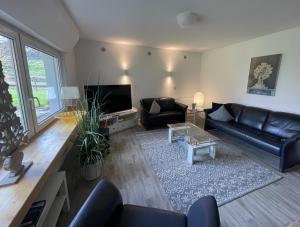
(93, 146)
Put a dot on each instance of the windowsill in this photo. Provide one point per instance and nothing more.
(45, 150)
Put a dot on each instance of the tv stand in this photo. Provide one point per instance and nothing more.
(119, 121)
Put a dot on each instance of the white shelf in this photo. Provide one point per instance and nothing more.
(55, 193)
(54, 212)
(119, 123)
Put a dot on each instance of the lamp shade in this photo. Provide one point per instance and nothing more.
(187, 19)
(70, 93)
(199, 99)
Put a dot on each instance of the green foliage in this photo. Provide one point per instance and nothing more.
(93, 145)
(36, 68)
(42, 95)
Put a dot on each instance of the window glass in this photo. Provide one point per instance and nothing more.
(7, 57)
(44, 73)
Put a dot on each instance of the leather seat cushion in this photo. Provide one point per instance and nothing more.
(235, 110)
(136, 216)
(166, 114)
(166, 104)
(253, 117)
(263, 140)
(146, 103)
(284, 125)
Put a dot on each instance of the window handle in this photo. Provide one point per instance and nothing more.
(32, 102)
(37, 99)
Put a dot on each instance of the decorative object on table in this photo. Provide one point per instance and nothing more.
(11, 137)
(263, 75)
(199, 99)
(93, 145)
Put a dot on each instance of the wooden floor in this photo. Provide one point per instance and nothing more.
(275, 205)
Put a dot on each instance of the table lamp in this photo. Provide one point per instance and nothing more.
(198, 100)
(70, 94)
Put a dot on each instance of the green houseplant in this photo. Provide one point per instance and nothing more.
(93, 146)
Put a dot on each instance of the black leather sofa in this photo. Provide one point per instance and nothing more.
(170, 112)
(104, 208)
(275, 132)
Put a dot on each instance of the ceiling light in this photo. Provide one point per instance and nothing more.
(187, 19)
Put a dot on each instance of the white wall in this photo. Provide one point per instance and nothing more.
(224, 72)
(69, 69)
(47, 20)
(146, 73)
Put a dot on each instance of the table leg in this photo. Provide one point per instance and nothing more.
(170, 135)
(212, 151)
(190, 157)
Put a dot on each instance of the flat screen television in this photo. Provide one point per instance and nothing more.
(114, 98)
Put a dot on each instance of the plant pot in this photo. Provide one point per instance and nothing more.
(91, 172)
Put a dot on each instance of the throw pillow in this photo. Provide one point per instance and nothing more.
(216, 106)
(221, 114)
(155, 108)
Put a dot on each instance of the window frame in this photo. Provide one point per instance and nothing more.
(31, 42)
(6, 31)
(20, 40)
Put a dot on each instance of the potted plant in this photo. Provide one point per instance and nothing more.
(93, 146)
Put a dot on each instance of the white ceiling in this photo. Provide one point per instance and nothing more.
(153, 22)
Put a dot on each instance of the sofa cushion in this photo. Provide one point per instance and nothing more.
(155, 108)
(146, 103)
(166, 114)
(216, 106)
(253, 117)
(235, 110)
(166, 104)
(221, 114)
(136, 216)
(284, 125)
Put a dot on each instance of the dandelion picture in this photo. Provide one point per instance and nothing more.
(263, 75)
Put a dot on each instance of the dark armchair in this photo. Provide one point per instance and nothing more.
(104, 208)
(170, 112)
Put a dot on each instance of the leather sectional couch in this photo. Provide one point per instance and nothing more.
(104, 208)
(170, 112)
(274, 132)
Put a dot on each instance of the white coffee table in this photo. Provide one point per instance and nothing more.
(198, 142)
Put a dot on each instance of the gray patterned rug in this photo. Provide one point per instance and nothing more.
(228, 177)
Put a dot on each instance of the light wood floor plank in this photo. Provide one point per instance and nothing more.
(274, 205)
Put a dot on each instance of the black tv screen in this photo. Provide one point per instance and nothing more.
(114, 98)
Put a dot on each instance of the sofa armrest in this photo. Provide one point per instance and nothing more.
(290, 152)
(204, 212)
(101, 207)
(181, 107)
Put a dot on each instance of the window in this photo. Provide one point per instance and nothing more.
(43, 72)
(7, 57)
(32, 70)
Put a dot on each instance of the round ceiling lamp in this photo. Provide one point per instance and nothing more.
(187, 19)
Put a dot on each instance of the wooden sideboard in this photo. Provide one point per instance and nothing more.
(46, 151)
